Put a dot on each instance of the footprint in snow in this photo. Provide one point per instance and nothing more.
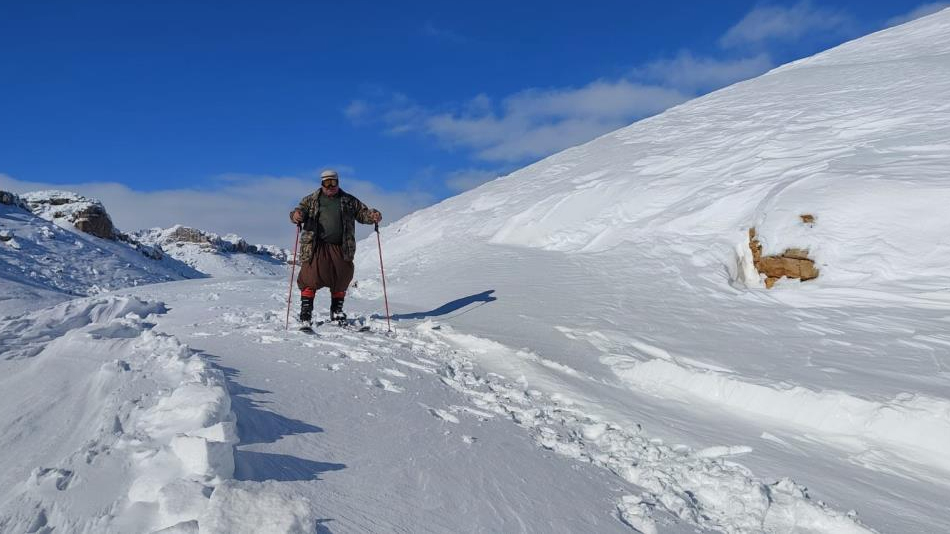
(443, 415)
(386, 385)
(58, 478)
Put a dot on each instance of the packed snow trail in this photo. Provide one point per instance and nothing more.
(435, 432)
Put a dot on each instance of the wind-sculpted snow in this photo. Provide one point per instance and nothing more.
(115, 427)
(27, 335)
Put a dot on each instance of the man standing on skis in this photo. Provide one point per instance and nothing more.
(328, 243)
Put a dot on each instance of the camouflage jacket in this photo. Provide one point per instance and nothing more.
(351, 210)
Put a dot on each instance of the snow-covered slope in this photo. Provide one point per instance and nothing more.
(625, 262)
(42, 262)
(214, 255)
(856, 136)
(582, 346)
(67, 246)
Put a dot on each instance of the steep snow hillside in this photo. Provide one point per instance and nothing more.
(619, 275)
(214, 255)
(41, 262)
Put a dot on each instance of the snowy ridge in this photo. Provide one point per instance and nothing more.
(214, 255)
(151, 439)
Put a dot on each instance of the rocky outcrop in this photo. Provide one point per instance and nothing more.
(86, 215)
(12, 199)
(793, 263)
(94, 220)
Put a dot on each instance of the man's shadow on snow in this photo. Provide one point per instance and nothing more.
(482, 298)
(258, 425)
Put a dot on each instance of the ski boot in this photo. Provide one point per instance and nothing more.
(304, 321)
(336, 311)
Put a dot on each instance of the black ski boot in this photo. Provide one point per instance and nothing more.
(336, 311)
(306, 313)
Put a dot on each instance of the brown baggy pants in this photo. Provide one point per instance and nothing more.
(326, 268)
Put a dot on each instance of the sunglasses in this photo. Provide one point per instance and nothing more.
(331, 182)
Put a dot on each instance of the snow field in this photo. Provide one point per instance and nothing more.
(698, 487)
(154, 436)
(912, 426)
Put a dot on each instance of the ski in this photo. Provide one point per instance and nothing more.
(353, 325)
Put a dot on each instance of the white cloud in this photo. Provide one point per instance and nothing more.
(778, 23)
(919, 11)
(534, 122)
(254, 207)
(356, 110)
(698, 74)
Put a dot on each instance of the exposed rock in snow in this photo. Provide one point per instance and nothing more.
(793, 263)
(67, 208)
(12, 199)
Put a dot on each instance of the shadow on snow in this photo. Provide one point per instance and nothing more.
(258, 425)
(483, 298)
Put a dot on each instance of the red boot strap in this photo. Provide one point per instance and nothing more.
(308, 292)
(338, 294)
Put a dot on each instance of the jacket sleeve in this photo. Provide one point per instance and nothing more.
(363, 213)
(304, 208)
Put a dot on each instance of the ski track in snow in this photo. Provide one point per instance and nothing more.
(704, 488)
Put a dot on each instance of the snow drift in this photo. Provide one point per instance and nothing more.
(134, 423)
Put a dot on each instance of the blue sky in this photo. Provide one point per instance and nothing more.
(172, 111)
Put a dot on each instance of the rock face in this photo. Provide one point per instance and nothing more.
(793, 263)
(11, 199)
(86, 215)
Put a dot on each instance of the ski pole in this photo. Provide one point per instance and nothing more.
(290, 290)
(382, 273)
